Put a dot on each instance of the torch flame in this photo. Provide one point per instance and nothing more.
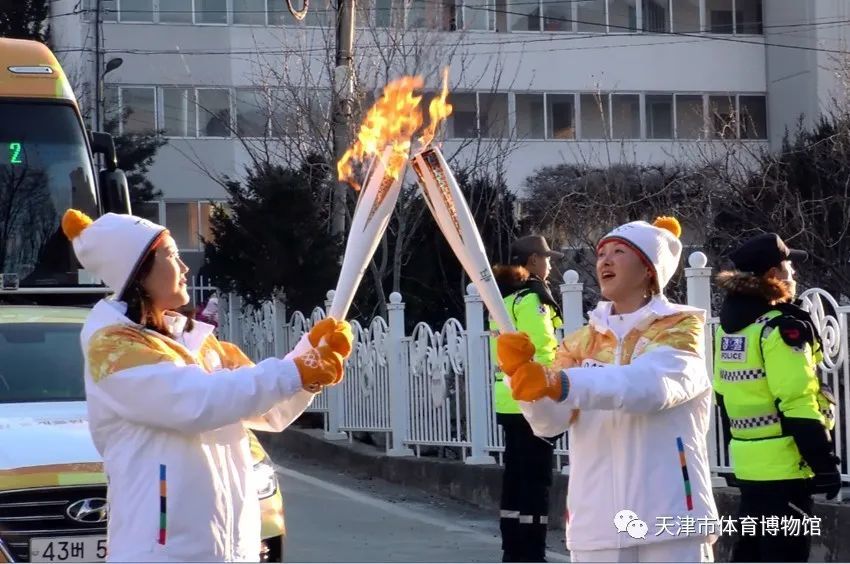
(392, 121)
(438, 110)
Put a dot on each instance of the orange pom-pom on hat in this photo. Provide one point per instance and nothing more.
(73, 223)
(671, 224)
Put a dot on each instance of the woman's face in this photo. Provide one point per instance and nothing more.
(622, 275)
(166, 283)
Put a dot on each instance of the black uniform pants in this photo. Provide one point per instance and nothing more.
(526, 481)
(773, 499)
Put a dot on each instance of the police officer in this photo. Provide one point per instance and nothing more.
(773, 405)
(528, 459)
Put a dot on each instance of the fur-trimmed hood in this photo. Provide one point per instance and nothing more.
(748, 297)
(510, 278)
(735, 282)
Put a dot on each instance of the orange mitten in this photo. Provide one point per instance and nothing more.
(320, 366)
(513, 350)
(531, 382)
(337, 335)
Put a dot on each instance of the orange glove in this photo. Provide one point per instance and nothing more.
(531, 382)
(320, 366)
(513, 350)
(337, 335)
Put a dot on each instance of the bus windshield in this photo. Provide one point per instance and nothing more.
(45, 168)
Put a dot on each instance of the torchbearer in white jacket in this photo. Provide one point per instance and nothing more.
(633, 392)
(169, 404)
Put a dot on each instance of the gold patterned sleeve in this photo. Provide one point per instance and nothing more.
(684, 333)
(568, 353)
(113, 349)
(233, 356)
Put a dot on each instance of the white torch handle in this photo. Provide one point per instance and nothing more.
(452, 214)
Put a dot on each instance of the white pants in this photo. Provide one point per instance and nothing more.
(695, 549)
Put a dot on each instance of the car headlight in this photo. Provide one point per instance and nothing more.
(265, 478)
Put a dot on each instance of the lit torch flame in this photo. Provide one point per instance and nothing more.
(392, 121)
(438, 110)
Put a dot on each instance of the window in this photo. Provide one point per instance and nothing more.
(748, 17)
(625, 116)
(175, 11)
(594, 116)
(213, 113)
(319, 112)
(656, 16)
(179, 112)
(721, 110)
(181, 219)
(719, 16)
(659, 116)
(557, 15)
(560, 114)
(463, 123)
(591, 16)
(689, 117)
(136, 10)
(211, 11)
(433, 14)
(753, 115)
(278, 12)
(493, 115)
(284, 122)
(686, 16)
(525, 16)
(147, 210)
(476, 14)
(111, 110)
(319, 14)
(383, 13)
(252, 12)
(529, 116)
(622, 16)
(108, 10)
(138, 110)
(188, 222)
(251, 113)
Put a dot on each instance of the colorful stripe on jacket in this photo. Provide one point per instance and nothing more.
(688, 498)
(162, 501)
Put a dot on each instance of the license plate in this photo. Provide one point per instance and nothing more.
(68, 549)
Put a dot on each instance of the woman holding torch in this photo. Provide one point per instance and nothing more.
(633, 390)
(168, 404)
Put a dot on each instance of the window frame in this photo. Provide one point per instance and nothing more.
(120, 98)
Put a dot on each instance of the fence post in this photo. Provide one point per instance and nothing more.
(698, 276)
(335, 397)
(477, 346)
(572, 299)
(399, 378)
(235, 314)
(279, 327)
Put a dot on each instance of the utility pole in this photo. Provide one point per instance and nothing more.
(343, 94)
(98, 86)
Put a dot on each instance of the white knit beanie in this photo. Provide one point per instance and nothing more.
(658, 243)
(113, 246)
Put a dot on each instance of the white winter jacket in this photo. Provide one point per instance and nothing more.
(638, 439)
(168, 417)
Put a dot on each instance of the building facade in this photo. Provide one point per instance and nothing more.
(534, 82)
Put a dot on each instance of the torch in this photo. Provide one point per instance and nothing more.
(371, 215)
(451, 212)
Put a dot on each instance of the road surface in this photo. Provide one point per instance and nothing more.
(332, 516)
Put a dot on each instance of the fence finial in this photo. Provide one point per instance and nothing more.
(698, 260)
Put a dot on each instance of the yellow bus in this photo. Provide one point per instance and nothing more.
(46, 166)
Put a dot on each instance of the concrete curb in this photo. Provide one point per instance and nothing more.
(481, 485)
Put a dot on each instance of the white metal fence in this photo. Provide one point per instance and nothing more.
(433, 388)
